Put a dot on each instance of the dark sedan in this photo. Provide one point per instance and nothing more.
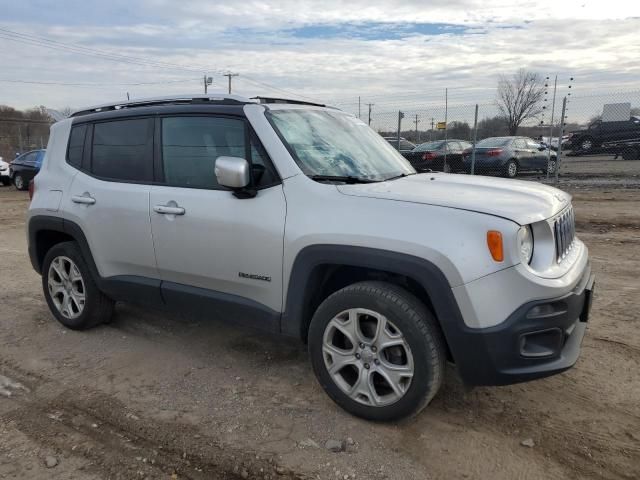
(510, 156)
(431, 155)
(25, 167)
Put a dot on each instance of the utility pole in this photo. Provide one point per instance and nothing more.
(433, 123)
(417, 131)
(229, 75)
(358, 106)
(370, 105)
(206, 81)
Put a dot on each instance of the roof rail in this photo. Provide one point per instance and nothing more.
(286, 100)
(217, 99)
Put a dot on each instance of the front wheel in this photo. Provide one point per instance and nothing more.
(551, 167)
(377, 351)
(586, 145)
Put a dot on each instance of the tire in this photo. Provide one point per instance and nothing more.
(96, 308)
(19, 183)
(585, 145)
(630, 154)
(408, 322)
(551, 166)
(511, 169)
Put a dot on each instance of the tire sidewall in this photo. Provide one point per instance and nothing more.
(506, 171)
(19, 184)
(72, 251)
(413, 400)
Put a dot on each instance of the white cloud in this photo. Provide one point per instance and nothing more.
(597, 43)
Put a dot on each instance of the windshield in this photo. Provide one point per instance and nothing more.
(493, 142)
(335, 144)
(429, 146)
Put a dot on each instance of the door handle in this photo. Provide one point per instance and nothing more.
(168, 210)
(84, 199)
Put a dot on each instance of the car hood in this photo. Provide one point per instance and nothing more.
(523, 202)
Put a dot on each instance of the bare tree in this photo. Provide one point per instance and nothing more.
(519, 98)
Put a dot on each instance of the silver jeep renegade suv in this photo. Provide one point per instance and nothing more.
(299, 219)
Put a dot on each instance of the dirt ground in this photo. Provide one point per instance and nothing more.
(159, 396)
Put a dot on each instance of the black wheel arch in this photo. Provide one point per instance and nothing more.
(320, 270)
(45, 231)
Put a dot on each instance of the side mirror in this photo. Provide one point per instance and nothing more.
(232, 172)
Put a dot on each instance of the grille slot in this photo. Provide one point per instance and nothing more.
(564, 231)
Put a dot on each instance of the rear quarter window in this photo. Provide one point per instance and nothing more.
(76, 145)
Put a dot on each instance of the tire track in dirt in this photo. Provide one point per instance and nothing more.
(121, 444)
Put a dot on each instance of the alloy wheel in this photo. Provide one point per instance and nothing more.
(66, 287)
(368, 357)
(19, 182)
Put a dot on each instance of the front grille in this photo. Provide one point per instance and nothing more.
(564, 229)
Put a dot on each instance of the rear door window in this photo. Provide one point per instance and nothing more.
(122, 150)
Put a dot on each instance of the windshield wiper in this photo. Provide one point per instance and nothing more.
(341, 178)
(402, 175)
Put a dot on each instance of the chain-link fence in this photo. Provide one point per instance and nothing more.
(599, 139)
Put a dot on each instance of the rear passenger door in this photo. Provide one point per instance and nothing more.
(218, 248)
(109, 196)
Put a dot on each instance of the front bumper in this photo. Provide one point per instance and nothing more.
(539, 339)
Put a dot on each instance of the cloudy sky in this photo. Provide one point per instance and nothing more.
(392, 53)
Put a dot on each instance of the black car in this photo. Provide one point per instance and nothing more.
(405, 145)
(25, 167)
(592, 138)
(430, 155)
(509, 156)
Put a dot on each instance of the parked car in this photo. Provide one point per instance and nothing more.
(510, 156)
(431, 155)
(405, 145)
(301, 220)
(5, 179)
(592, 138)
(25, 167)
(554, 142)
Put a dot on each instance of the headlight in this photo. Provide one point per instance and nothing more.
(525, 244)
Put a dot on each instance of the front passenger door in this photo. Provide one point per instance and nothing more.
(217, 253)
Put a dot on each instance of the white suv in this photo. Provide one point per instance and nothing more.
(299, 219)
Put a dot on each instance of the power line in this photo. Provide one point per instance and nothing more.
(30, 82)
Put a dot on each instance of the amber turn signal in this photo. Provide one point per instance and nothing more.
(494, 242)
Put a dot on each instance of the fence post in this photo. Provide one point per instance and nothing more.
(475, 139)
(446, 126)
(400, 117)
(560, 135)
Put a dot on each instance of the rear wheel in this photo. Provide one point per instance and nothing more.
(377, 351)
(551, 166)
(71, 293)
(511, 169)
(19, 182)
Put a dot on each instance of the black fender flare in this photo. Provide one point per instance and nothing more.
(41, 223)
(429, 276)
